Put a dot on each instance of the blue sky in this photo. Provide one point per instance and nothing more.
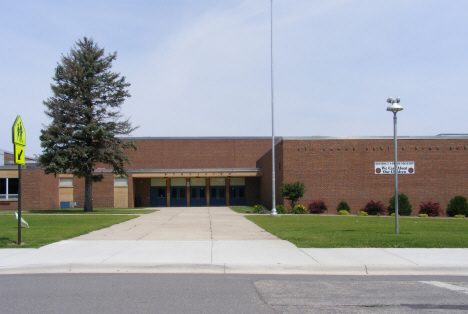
(202, 68)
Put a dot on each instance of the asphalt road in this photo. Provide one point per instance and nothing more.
(182, 293)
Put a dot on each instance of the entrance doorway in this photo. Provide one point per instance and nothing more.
(237, 192)
(197, 192)
(237, 196)
(158, 192)
(217, 191)
(178, 192)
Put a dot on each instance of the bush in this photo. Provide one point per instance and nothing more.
(392, 214)
(374, 208)
(457, 206)
(343, 212)
(257, 208)
(404, 206)
(299, 209)
(362, 213)
(343, 206)
(430, 209)
(423, 215)
(280, 209)
(459, 216)
(317, 207)
(292, 191)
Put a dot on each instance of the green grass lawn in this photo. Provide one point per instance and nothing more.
(242, 209)
(81, 212)
(45, 229)
(308, 231)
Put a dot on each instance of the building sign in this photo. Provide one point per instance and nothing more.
(388, 167)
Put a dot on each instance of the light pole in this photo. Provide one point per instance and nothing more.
(273, 184)
(395, 107)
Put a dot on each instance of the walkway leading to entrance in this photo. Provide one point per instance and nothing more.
(184, 224)
(217, 240)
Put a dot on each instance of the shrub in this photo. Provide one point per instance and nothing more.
(374, 208)
(423, 215)
(317, 207)
(343, 206)
(392, 214)
(343, 212)
(257, 208)
(362, 213)
(299, 209)
(457, 206)
(404, 206)
(280, 209)
(430, 209)
(292, 191)
(459, 216)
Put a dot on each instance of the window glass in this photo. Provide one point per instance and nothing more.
(158, 182)
(182, 193)
(161, 193)
(13, 186)
(233, 192)
(237, 181)
(241, 192)
(202, 192)
(217, 181)
(197, 181)
(213, 193)
(194, 192)
(3, 186)
(120, 181)
(178, 182)
(173, 193)
(66, 182)
(221, 192)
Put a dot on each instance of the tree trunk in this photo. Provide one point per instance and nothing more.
(88, 201)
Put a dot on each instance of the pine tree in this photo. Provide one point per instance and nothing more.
(86, 118)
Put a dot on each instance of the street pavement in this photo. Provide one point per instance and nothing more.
(217, 240)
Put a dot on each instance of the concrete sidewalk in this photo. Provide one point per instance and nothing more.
(217, 240)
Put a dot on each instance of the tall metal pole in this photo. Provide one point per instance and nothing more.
(273, 184)
(396, 170)
(19, 204)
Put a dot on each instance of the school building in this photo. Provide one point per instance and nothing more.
(236, 171)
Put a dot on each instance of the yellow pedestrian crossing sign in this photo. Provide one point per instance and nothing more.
(19, 133)
(19, 141)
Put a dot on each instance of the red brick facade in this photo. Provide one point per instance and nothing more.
(332, 169)
(343, 169)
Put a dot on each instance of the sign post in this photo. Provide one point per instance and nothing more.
(19, 143)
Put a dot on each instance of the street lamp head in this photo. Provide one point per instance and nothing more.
(394, 107)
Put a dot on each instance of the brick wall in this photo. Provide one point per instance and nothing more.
(197, 153)
(103, 192)
(335, 170)
(253, 192)
(266, 180)
(39, 191)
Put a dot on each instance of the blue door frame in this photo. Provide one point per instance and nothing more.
(237, 195)
(158, 196)
(178, 196)
(197, 196)
(217, 196)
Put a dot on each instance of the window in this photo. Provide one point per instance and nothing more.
(8, 188)
(66, 182)
(120, 181)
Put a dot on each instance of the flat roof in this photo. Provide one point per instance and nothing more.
(313, 137)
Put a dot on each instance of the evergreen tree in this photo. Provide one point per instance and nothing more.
(86, 118)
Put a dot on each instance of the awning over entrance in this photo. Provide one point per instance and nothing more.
(193, 187)
(193, 173)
